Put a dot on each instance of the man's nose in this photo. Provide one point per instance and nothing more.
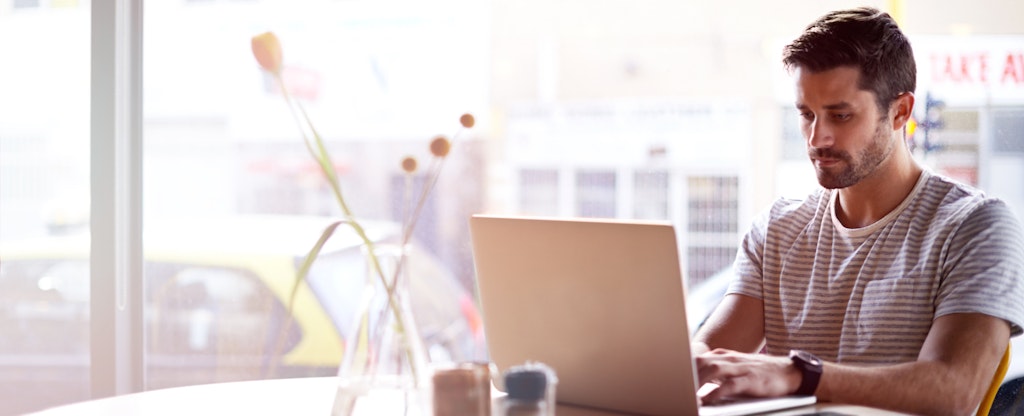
(819, 135)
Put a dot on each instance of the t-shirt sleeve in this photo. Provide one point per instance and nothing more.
(749, 279)
(984, 267)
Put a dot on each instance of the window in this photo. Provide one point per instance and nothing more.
(668, 112)
(539, 191)
(44, 205)
(1007, 125)
(652, 195)
(45, 310)
(713, 204)
(595, 194)
(26, 4)
(209, 324)
(712, 225)
(44, 320)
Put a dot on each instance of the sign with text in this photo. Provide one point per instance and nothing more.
(971, 69)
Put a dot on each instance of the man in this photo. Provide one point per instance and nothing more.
(890, 286)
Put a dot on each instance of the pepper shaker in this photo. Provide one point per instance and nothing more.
(530, 390)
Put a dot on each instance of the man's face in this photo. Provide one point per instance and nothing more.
(847, 136)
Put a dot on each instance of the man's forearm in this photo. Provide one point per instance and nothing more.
(950, 376)
(919, 387)
(736, 324)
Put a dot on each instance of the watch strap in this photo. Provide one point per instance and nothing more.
(810, 368)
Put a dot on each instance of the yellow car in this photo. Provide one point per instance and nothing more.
(215, 305)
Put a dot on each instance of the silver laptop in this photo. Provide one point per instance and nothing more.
(602, 302)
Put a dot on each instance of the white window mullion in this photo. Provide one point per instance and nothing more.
(116, 190)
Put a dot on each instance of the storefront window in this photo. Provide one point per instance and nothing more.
(661, 110)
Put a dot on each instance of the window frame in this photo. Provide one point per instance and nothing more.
(116, 336)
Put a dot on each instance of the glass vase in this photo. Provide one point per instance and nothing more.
(384, 368)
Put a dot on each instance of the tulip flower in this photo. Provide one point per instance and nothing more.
(267, 50)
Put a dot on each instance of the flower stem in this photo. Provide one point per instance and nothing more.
(433, 173)
(315, 145)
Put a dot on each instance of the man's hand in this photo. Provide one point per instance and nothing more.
(753, 375)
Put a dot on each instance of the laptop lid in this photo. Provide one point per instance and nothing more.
(600, 301)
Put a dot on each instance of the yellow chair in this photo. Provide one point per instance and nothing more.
(997, 380)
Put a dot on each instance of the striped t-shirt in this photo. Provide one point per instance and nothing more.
(869, 295)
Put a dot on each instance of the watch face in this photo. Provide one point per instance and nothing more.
(805, 357)
(810, 358)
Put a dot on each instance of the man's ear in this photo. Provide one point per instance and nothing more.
(902, 108)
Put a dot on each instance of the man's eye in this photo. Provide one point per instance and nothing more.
(841, 116)
(807, 115)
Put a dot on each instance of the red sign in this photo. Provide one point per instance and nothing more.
(974, 68)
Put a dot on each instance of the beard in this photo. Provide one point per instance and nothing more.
(852, 170)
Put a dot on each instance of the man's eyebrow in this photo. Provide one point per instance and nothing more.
(842, 105)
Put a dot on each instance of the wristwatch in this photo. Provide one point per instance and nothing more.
(810, 367)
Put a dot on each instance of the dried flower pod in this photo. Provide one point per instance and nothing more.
(467, 120)
(409, 164)
(440, 146)
(267, 50)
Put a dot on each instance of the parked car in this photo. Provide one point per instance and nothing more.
(702, 299)
(216, 296)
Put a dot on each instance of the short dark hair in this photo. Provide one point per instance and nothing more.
(865, 38)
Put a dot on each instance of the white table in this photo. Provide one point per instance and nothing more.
(295, 396)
